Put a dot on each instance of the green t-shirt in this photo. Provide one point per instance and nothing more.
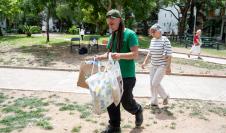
(129, 40)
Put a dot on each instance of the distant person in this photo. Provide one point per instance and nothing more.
(160, 52)
(82, 33)
(197, 42)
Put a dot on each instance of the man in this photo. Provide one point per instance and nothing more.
(82, 33)
(123, 44)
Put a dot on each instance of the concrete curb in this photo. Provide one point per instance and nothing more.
(39, 68)
(42, 91)
(191, 75)
(76, 70)
(90, 95)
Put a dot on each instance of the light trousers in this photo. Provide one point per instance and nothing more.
(156, 75)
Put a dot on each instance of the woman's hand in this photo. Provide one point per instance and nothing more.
(168, 70)
(143, 66)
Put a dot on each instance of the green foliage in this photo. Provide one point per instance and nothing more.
(29, 30)
(217, 110)
(44, 124)
(2, 97)
(76, 129)
(73, 30)
(31, 102)
(22, 112)
(199, 63)
(85, 110)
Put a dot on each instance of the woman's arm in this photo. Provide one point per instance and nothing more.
(145, 60)
(168, 64)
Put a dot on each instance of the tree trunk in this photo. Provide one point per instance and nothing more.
(182, 25)
(145, 30)
(1, 31)
(61, 26)
(182, 20)
(47, 25)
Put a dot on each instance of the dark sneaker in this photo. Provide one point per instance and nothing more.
(199, 58)
(165, 101)
(188, 55)
(139, 117)
(111, 129)
(154, 105)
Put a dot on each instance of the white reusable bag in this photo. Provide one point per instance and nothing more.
(106, 87)
(100, 86)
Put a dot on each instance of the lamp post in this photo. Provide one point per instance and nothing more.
(195, 11)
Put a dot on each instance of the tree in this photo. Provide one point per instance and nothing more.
(147, 6)
(49, 8)
(95, 11)
(64, 13)
(188, 5)
(7, 9)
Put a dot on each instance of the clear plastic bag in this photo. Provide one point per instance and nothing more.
(116, 79)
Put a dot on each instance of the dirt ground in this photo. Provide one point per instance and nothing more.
(180, 116)
(60, 57)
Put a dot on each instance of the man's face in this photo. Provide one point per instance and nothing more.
(113, 23)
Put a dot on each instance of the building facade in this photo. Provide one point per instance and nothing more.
(167, 20)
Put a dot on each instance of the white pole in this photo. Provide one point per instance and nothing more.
(194, 21)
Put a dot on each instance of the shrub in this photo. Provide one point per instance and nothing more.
(73, 30)
(29, 30)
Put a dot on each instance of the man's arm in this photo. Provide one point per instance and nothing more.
(102, 57)
(128, 56)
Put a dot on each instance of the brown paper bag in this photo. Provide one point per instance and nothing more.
(84, 73)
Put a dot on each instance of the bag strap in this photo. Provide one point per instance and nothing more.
(98, 65)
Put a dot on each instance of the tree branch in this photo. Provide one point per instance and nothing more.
(171, 12)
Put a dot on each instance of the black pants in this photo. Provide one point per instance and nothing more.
(127, 102)
(82, 36)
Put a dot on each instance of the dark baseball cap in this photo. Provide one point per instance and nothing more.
(113, 14)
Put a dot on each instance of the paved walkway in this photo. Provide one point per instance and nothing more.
(204, 88)
(204, 58)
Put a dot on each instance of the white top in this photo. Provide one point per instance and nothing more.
(158, 49)
(82, 32)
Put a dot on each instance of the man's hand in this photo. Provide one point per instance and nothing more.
(100, 57)
(116, 56)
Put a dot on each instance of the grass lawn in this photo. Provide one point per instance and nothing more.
(144, 43)
(64, 39)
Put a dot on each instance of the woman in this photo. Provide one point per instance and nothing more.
(197, 42)
(160, 53)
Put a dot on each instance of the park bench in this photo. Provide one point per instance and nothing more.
(206, 41)
(210, 42)
(93, 42)
(74, 42)
(188, 40)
